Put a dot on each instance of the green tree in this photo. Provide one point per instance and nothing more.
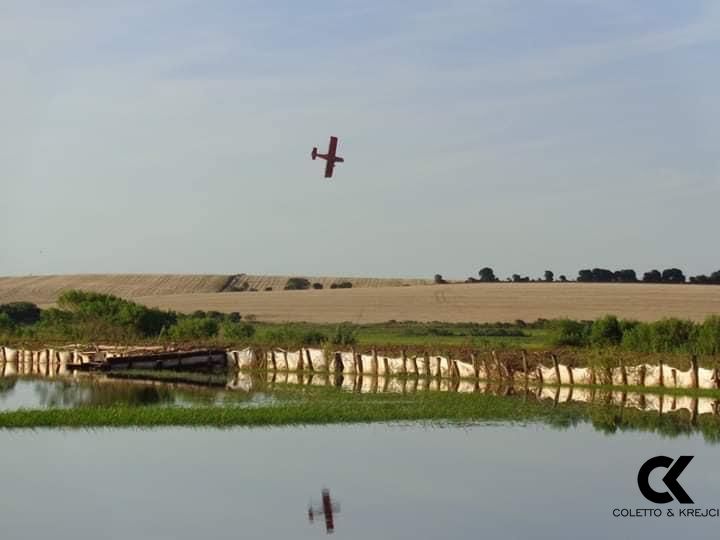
(487, 274)
(549, 276)
(673, 275)
(21, 312)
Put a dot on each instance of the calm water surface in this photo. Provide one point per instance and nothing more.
(391, 481)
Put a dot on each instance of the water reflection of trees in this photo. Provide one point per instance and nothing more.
(73, 394)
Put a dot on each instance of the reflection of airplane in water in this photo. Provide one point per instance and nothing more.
(328, 509)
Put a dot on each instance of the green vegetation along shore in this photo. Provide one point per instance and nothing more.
(86, 317)
(331, 406)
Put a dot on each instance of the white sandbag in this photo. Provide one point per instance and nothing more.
(548, 375)
(634, 375)
(705, 378)
(317, 356)
(348, 362)
(465, 369)
(395, 366)
(581, 375)
(652, 375)
(684, 379)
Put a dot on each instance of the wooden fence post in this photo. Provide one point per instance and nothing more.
(694, 372)
(272, 359)
(556, 367)
(486, 365)
(374, 365)
(498, 367)
(661, 378)
(339, 368)
(476, 367)
(525, 366)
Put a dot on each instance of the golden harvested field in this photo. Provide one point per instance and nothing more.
(459, 302)
(44, 290)
(278, 282)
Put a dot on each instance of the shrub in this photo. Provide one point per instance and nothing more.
(6, 323)
(342, 285)
(344, 335)
(109, 310)
(194, 328)
(438, 279)
(297, 284)
(606, 332)
(672, 335)
(566, 332)
(707, 339)
(236, 331)
(293, 336)
(317, 286)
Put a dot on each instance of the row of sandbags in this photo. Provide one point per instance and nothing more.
(348, 362)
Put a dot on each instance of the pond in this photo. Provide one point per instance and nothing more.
(543, 462)
(390, 481)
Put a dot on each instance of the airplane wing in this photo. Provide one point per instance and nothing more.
(329, 168)
(332, 149)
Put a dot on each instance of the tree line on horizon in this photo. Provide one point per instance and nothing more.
(598, 275)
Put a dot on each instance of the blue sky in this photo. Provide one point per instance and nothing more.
(174, 136)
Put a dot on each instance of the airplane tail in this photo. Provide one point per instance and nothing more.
(314, 153)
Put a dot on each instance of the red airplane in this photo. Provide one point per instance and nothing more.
(328, 510)
(331, 157)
